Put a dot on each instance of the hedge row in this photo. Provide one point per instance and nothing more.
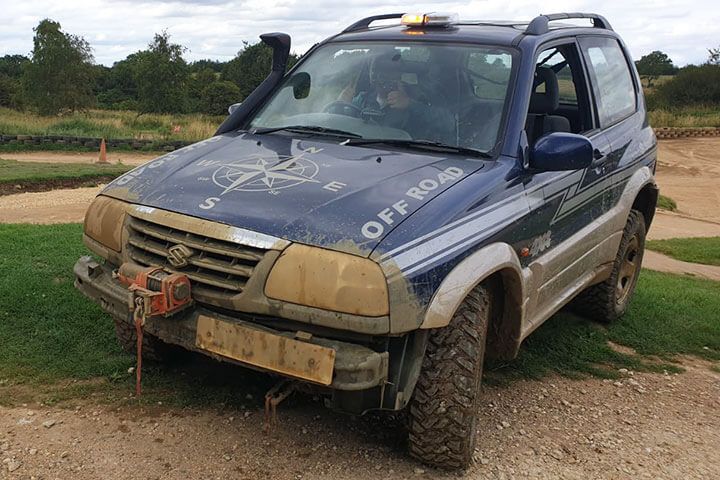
(90, 142)
(680, 132)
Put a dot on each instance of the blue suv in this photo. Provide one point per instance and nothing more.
(409, 198)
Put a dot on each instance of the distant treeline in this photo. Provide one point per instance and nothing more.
(690, 86)
(60, 75)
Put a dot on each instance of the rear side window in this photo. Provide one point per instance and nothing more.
(611, 79)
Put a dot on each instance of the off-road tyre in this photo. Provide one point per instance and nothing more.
(153, 349)
(607, 301)
(442, 414)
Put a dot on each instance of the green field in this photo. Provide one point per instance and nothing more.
(14, 172)
(62, 344)
(695, 250)
(110, 124)
(686, 117)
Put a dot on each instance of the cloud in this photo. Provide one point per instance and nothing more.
(217, 28)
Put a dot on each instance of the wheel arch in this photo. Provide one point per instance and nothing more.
(499, 265)
(646, 201)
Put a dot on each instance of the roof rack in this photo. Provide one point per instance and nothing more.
(539, 25)
(365, 22)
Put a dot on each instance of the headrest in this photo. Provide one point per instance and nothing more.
(545, 102)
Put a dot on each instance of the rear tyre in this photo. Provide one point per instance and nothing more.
(153, 349)
(443, 412)
(608, 301)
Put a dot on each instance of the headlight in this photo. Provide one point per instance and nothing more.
(104, 220)
(329, 280)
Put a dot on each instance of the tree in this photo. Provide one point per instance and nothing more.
(11, 71)
(60, 74)
(161, 76)
(218, 96)
(250, 67)
(654, 64)
(197, 83)
(13, 65)
(120, 90)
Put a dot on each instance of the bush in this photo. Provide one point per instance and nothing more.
(218, 96)
(693, 85)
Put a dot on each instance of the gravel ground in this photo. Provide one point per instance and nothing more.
(640, 426)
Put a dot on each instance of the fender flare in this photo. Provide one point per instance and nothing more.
(480, 265)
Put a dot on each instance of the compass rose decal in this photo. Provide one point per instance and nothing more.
(257, 174)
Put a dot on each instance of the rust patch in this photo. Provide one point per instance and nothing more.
(266, 350)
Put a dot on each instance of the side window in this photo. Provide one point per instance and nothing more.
(554, 59)
(559, 100)
(610, 75)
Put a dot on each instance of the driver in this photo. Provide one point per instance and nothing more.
(387, 100)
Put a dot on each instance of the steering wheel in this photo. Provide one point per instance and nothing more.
(343, 108)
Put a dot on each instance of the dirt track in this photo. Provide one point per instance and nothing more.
(642, 426)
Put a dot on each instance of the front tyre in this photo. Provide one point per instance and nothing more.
(444, 408)
(608, 301)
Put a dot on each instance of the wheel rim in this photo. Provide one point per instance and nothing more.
(628, 270)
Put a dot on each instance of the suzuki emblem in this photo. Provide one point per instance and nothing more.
(178, 255)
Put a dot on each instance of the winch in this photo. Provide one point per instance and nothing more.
(156, 292)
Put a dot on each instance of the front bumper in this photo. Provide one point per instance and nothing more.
(356, 367)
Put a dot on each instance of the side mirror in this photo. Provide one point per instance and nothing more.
(561, 151)
(233, 107)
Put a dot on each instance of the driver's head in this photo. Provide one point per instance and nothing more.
(385, 72)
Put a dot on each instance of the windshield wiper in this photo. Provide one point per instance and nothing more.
(308, 129)
(427, 145)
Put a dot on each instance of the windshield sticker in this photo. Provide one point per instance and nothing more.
(386, 217)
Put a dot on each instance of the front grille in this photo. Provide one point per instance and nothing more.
(218, 270)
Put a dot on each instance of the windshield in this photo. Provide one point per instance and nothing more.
(446, 93)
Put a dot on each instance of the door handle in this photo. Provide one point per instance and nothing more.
(599, 158)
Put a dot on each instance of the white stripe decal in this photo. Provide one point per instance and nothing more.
(535, 190)
(470, 229)
(415, 255)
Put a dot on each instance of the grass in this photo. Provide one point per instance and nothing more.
(12, 171)
(110, 124)
(58, 343)
(49, 331)
(666, 203)
(704, 250)
(686, 117)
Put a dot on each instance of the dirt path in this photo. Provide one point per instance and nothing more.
(689, 173)
(128, 158)
(56, 206)
(663, 263)
(642, 426)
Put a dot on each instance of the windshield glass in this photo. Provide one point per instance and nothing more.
(448, 93)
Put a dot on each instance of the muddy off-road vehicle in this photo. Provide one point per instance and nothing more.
(406, 200)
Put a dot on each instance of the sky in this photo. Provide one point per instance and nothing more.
(216, 29)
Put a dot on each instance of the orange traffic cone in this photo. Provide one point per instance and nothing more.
(103, 152)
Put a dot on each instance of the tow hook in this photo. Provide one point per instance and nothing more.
(273, 398)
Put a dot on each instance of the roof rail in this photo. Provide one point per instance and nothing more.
(539, 25)
(365, 22)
